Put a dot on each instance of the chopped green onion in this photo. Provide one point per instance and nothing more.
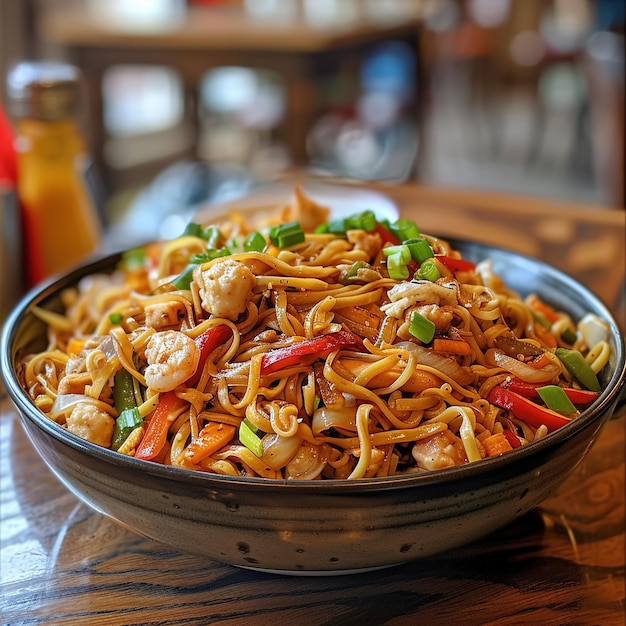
(404, 229)
(400, 252)
(556, 399)
(183, 280)
(287, 235)
(134, 258)
(352, 273)
(212, 235)
(401, 272)
(337, 227)
(397, 265)
(354, 270)
(361, 221)
(209, 255)
(541, 320)
(249, 437)
(576, 365)
(115, 318)
(420, 249)
(568, 336)
(127, 421)
(428, 271)
(193, 230)
(421, 327)
(366, 220)
(254, 242)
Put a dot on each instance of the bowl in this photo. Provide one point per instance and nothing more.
(319, 527)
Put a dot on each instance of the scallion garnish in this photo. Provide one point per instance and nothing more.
(248, 437)
(569, 336)
(193, 230)
(254, 242)
(397, 262)
(428, 271)
(404, 229)
(134, 258)
(421, 327)
(115, 318)
(420, 249)
(286, 235)
(352, 273)
(401, 252)
(212, 235)
(183, 280)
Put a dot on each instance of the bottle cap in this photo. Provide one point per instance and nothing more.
(44, 90)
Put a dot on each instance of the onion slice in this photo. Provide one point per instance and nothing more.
(522, 370)
(326, 418)
(445, 365)
(278, 451)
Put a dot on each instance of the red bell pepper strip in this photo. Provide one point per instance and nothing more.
(386, 235)
(577, 396)
(307, 351)
(155, 434)
(525, 409)
(169, 403)
(456, 265)
(512, 438)
(206, 343)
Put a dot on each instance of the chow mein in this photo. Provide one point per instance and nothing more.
(310, 348)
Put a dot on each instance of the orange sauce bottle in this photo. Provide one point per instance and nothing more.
(59, 221)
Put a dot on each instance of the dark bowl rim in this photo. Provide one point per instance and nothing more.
(608, 397)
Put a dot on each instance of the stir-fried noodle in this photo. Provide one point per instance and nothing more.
(359, 350)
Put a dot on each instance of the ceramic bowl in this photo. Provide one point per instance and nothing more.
(320, 527)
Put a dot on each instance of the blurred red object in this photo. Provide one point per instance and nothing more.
(8, 163)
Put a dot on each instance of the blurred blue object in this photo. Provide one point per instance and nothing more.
(163, 208)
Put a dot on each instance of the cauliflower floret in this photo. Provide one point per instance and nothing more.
(91, 424)
(225, 288)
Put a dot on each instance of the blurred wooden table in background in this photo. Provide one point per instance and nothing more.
(220, 35)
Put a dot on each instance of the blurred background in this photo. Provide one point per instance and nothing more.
(193, 101)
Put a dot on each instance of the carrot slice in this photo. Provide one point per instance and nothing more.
(496, 444)
(543, 309)
(545, 336)
(451, 346)
(212, 437)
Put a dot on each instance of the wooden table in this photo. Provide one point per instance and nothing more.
(563, 563)
(221, 35)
